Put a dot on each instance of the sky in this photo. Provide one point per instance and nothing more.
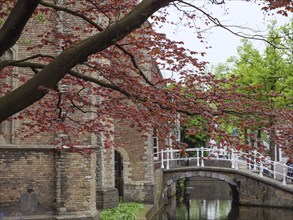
(224, 44)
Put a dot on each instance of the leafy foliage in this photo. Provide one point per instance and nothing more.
(268, 78)
(124, 211)
(84, 65)
(195, 132)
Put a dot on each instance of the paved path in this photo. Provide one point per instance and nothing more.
(144, 211)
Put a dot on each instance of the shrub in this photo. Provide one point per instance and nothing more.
(124, 211)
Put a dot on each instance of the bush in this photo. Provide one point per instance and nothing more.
(124, 211)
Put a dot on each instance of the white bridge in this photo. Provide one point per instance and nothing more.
(252, 161)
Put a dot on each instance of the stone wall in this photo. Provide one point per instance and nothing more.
(139, 192)
(246, 188)
(209, 188)
(261, 193)
(107, 194)
(138, 163)
(75, 182)
(39, 182)
(107, 198)
(23, 168)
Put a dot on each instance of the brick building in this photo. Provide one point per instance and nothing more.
(71, 185)
(40, 181)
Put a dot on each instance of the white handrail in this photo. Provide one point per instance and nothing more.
(253, 161)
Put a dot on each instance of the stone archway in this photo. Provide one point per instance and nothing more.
(247, 188)
(169, 180)
(122, 169)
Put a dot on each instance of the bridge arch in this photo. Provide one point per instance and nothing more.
(247, 188)
(176, 176)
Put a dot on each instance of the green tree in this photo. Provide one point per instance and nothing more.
(269, 75)
(195, 132)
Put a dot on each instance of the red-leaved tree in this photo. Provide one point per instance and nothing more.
(73, 67)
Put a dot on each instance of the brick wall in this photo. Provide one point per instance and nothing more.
(75, 182)
(107, 194)
(64, 181)
(137, 155)
(21, 168)
(135, 146)
(107, 198)
(139, 192)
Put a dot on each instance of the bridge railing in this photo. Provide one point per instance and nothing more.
(252, 161)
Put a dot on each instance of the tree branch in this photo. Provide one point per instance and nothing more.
(18, 63)
(98, 27)
(219, 24)
(51, 74)
(16, 21)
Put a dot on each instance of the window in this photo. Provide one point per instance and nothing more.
(156, 144)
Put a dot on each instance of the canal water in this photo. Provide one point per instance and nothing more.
(211, 200)
(220, 210)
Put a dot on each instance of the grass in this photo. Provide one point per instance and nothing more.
(124, 211)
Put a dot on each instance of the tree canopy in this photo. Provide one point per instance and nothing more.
(268, 74)
(68, 53)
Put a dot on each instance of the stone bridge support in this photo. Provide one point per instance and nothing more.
(247, 188)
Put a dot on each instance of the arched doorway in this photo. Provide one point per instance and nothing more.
(119, 174)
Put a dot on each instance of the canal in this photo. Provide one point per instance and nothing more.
(211, 200)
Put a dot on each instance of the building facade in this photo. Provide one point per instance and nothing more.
(40, 180)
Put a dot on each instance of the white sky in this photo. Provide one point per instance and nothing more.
(224, 44)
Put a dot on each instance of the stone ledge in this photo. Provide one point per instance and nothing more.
(94, 215)
(38, 147)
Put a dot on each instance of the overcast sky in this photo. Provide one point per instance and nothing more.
(224, 44)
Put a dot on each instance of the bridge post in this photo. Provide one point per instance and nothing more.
(254, 159)
(202, 157)
(217, 154)
(260, 169)
(250, 157)
(236, 161)
(284, 176)
(280, 154)
(168, 162)
(197, 153)
(162, 159)
(232, 159)
(274, 169)
(229, 155)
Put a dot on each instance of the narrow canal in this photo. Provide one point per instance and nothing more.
(211, 200)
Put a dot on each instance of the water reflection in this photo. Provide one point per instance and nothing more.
(197, 209)
(200, 209)
(207, 199)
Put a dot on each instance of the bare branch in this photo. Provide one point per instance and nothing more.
(226, 27)
(5, 63)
